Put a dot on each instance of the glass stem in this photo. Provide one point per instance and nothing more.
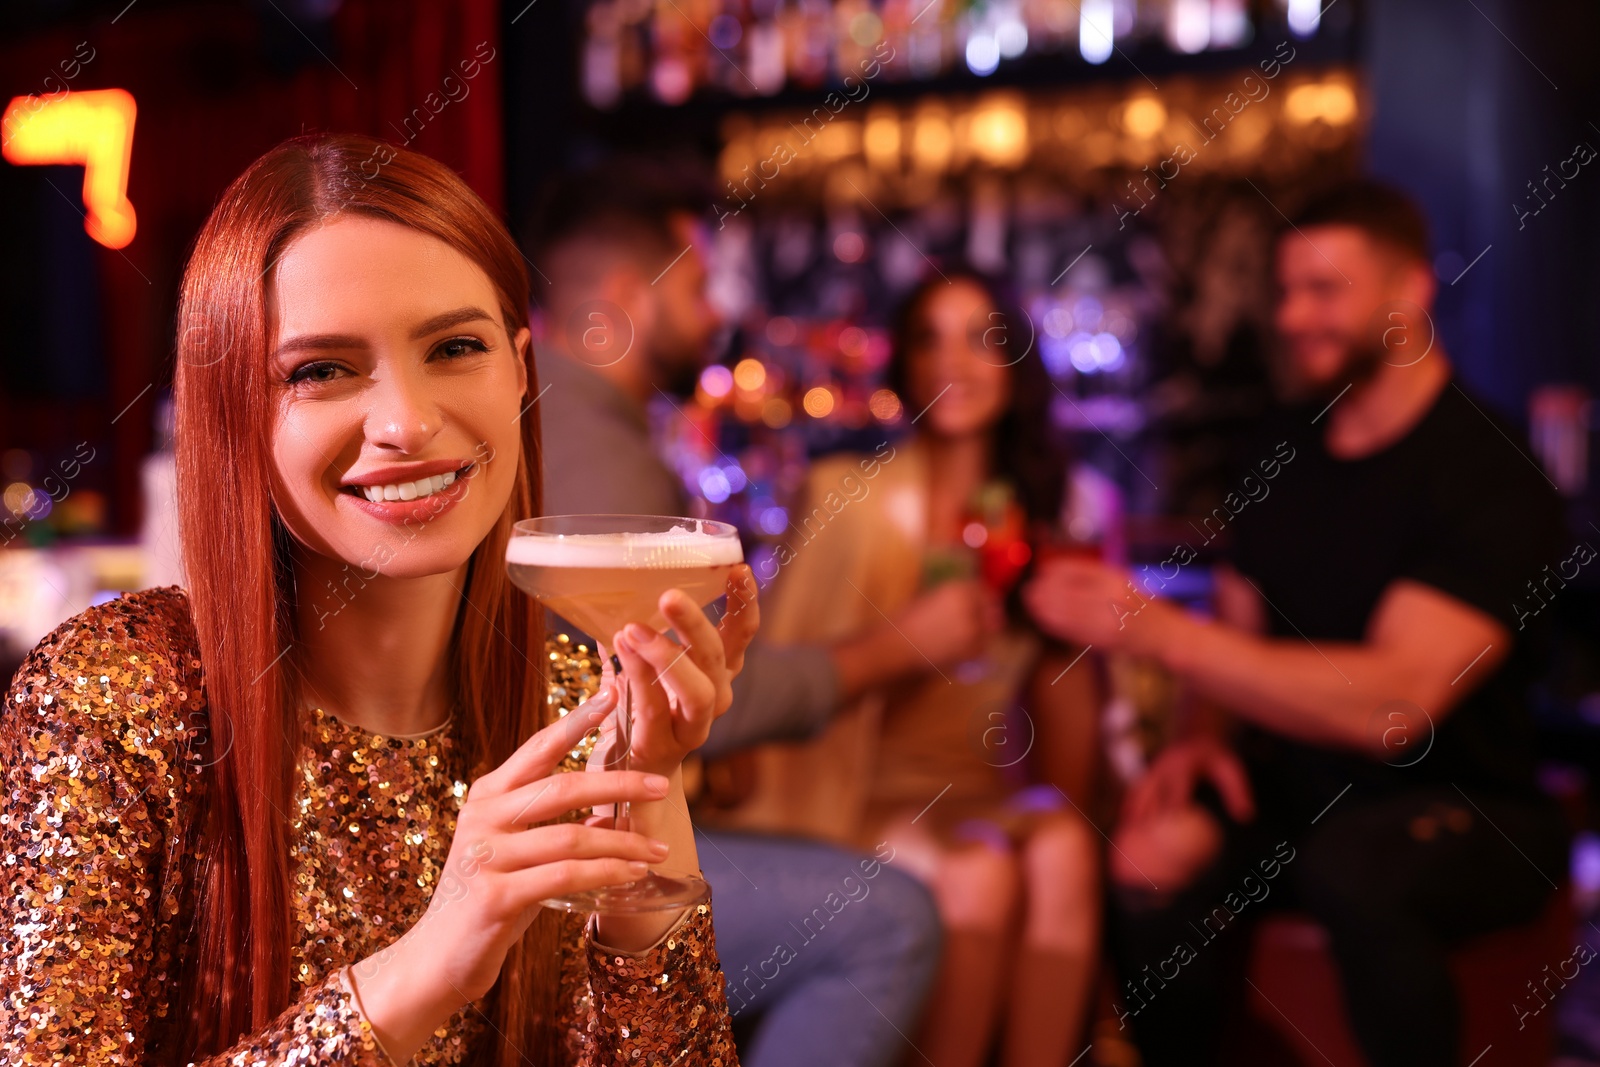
(624, 738)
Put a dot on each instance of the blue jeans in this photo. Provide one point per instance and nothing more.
(828, 953)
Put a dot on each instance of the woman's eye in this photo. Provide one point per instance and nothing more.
(316, 373)
(461, 346)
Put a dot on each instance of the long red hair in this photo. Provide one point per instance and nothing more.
(241, 584)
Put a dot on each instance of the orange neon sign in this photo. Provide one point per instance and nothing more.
(93, 127)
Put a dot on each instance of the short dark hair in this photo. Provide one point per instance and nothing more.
(1381, 211)
(627, 202)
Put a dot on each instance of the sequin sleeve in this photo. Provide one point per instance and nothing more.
(323, 1027)
(100, 788)
(92, 780)
(663, 1006)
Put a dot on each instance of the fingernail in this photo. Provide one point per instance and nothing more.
(620, 642)
(659, 848)
(657, 784)
(637, 634)
(638, 868)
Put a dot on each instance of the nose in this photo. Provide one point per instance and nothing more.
(1291, 314)
(955, 358)
(404, 415)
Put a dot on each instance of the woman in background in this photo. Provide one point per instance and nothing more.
(934, 530)
(236, 820)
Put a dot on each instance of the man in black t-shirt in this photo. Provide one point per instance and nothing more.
(1393, 547)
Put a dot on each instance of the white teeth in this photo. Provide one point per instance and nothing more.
(408, 490)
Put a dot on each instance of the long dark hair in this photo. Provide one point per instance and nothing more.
(1028, 452)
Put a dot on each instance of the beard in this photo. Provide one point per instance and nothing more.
(1361, 362)
(678, 360)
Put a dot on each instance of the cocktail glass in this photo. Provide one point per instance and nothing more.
(602, 572)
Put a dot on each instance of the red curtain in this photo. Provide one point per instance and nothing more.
(215, 87)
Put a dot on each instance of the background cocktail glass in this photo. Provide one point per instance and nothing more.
(602, 572)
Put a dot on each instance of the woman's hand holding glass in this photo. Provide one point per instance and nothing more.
(508, 855)
(679, 689)
(678, 692)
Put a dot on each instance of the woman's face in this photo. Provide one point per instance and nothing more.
(393, 375)
(957, 357)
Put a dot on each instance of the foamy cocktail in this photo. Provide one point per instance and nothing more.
(600, 573)
(600, 582)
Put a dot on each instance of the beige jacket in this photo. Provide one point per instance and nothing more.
(852, 558)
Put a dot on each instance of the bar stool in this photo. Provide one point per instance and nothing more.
(1294, 1010)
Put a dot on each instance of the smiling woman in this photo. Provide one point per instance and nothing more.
(288, 786)
(388, 373)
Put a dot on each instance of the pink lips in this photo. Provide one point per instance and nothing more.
(420, 510)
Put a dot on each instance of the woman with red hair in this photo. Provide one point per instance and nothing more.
(237, 824)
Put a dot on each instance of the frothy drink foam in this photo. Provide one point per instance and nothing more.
(665, 548)
(602, 582)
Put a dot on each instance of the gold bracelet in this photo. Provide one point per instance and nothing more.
(348, 978)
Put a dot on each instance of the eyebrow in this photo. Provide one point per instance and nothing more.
(324, 341)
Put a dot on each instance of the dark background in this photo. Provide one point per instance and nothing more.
(1459, 115)
(1465, 102)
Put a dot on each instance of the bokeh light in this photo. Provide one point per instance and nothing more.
(716, 381)
(819, 402)
(714, 485)
(773, 520)
(866, 29)
(853, 342)
(885, 405)
(1096, 24)
(750, 375)
(777, 412)
(983, 54)
(1144, 117)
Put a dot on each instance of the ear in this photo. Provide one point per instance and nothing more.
(631, 291)
(521, 344)
(1418, 284)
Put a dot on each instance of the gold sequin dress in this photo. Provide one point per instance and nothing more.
(98, 841)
